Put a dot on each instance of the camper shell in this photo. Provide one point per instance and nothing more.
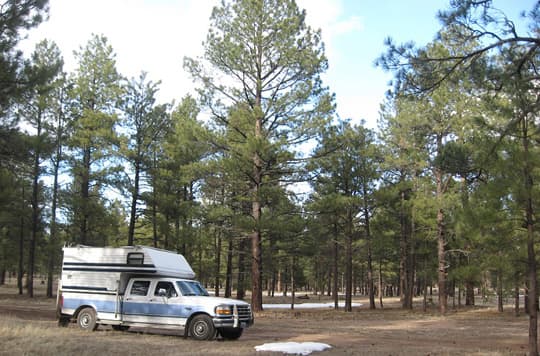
(139, 286)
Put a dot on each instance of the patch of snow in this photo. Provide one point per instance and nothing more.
(297, 348)
(307, 305)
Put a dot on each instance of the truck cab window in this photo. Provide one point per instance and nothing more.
(168, 287)
(190, 288)
(140, 288)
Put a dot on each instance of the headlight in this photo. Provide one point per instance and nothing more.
(223, 310)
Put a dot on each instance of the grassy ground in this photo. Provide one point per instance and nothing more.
(27, 327)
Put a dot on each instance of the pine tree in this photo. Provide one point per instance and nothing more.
(267, 87)
(36, 109)
(93, 138)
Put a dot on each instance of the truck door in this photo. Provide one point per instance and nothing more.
(136, 306)
(153, 302)
(166, 306)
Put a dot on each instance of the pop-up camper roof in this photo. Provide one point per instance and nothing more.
(128, 259)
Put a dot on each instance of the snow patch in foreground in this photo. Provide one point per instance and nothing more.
(297, 348)
(307, 305)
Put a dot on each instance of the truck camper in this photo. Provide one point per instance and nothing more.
(139, 286)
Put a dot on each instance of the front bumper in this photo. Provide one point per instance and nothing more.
(229, 322)
(240, 317)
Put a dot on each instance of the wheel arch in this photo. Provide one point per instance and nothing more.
(81, 307)
(190, 319)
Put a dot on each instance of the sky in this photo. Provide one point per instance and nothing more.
(155, 35)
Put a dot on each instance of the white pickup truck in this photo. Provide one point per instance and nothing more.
(143, 287)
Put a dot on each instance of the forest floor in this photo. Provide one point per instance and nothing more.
(28, 327)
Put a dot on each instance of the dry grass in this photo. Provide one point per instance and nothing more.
(27, 327)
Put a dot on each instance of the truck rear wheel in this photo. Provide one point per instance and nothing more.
(87, 319)
(202, 328)
(63, 321)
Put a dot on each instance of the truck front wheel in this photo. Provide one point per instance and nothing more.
(231, 333)
(202, 328)
(87, 319)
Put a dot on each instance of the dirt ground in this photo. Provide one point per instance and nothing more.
(28, 327)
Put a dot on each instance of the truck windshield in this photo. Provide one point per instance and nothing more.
(191, 288)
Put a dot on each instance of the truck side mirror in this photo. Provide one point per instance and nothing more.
(162, 292)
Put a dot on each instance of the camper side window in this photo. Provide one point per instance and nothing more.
(140, 288)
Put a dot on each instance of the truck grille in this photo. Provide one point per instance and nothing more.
(244, 312)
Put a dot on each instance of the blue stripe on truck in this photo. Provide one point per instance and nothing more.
(100, 305)
(134, 308)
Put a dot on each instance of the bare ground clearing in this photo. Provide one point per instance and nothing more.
(28, 327)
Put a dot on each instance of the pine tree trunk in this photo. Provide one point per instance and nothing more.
(531, 253)
(441, 235)
(240, 291)
(133, 209)
(54, 234)
(256, 211)
(335, 270)
(218, 264)
(20, 271)
(348, 262)
(469, 293)
(155, 238)
(293, 286)
(228, 278)
(380, 285)
(35, 210)
(441, 243)
(516, 294)
(499, 292)
(85, 197)
(405, 286)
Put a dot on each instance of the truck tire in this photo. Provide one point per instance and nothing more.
(87, 319)
(201, 327)
(231, 333)
(63, 321)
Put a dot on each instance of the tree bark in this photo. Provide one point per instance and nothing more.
(134, 199)
(380, 285)
(405, 277)
(441, 237)
(218, 264)
(228, 278)
(348, 262)
(293, 286)
(531, 253)
(54, 233)
(240, 290)
(85, 197)
(35, 211)
(20, 271)
(441, 243)
(335, 270)
(516, 294)
(499, 292)
(155, 240)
